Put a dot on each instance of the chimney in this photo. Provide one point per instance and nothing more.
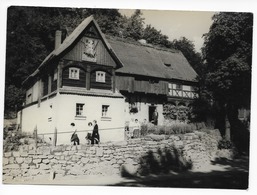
(58, 38)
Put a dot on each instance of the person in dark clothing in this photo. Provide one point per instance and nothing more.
(95, 135)
(74, 136)
(89, 135)
(155, 117)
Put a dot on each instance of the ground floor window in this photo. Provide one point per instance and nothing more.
(79, 109)
(105, 110)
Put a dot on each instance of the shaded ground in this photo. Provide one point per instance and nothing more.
(222, 174)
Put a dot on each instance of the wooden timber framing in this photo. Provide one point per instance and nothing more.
(130, 84)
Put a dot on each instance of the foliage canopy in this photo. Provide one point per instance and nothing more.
(228, 54)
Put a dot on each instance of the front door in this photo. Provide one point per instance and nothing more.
(151, 111)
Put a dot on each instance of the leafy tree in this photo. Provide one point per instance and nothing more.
(31, 33)
(228, 54)
(155, 37)
(110, 20)
(13, 98)
(30, 38)
(133, 27)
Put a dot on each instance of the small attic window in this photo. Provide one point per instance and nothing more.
(167, 64)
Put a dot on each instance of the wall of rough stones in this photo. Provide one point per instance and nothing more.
(105, 159)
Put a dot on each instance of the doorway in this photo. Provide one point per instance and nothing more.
(151, 111)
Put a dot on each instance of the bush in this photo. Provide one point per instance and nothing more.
(151, 128)
(225, 144)
(143, 129)
(13, 139)
(168, 128)
(163, 161)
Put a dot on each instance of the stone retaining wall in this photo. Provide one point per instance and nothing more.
(105, 159)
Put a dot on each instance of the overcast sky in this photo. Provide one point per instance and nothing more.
(177, 24)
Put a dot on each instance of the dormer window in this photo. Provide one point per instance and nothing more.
(74, 73)
(169, 65)
(100, 76)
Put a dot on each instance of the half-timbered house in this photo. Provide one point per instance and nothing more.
(153, 78)
(90, 77)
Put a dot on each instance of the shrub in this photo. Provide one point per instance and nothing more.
(143, 129)
(168, 128)
(175, 127)
(171, 111)
(225, 144)
(12, 140)
(163, 161)
(151, 128)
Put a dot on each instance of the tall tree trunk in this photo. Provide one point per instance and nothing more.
(227, 129)
(232, 118)
(220, 116)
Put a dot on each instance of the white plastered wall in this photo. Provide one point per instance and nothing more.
(41, 117)
(59, 112)
(143, 112)
(92, 111)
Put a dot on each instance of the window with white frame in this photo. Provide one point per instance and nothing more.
(80, 109)
(170, 88)
(73, 73)
(100, 76)
(105, 110)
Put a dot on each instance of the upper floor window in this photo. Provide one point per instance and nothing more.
(193, 88)
(178, 87)
(100, 76)
(73, 73)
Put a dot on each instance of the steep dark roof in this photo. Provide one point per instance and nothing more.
(146, 60)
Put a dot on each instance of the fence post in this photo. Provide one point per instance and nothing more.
(55, 136)
(35, 136)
